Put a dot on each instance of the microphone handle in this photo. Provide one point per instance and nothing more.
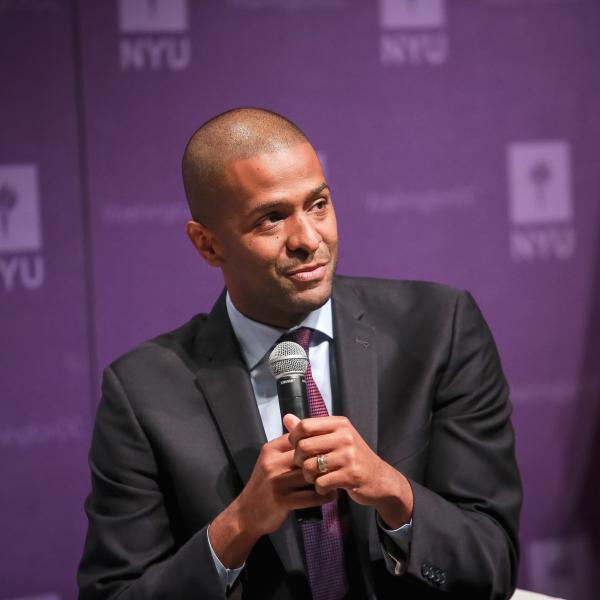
(293, 398)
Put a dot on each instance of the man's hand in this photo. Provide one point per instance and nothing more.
(351, 465)
(275, 487)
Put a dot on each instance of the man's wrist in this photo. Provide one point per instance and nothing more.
(395, 505)
(227, 576)
(231, 536)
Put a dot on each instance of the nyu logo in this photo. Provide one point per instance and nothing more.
(8, 199)
(167, 47)
(20, 228)
(412, 32)
(152, 16)
(403, 14)
(540, 200)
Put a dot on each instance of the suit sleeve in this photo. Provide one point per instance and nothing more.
(132, 550)
(465, 518)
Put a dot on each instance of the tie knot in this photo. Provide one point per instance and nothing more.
(301, 336)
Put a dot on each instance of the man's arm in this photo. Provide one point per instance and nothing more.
(465, 511)
(132, 548)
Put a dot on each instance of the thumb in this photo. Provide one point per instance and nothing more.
(290, 421)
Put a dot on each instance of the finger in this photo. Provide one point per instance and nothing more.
(320, 444)
(317, 426)
(291, 486)
(281, 443)
(310, 467)
(285, 460)
(340, 479)
(290, 481)
(272, 463)
(290, 421)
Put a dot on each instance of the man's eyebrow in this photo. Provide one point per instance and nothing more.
(270, 205)
(317, 190)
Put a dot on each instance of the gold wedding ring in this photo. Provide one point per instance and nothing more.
(322, 463)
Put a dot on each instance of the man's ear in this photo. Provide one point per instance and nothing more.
(205, 242)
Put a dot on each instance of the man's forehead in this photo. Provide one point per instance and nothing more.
(284, 167)
(277, 151)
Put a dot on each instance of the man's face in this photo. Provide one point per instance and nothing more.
(276, 235)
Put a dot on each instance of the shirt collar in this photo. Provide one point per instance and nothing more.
(256, 339)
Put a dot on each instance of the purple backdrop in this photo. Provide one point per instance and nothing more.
(460, 140)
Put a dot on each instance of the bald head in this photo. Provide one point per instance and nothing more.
(237, 134)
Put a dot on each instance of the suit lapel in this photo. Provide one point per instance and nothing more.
(223, 379)
(356, 366)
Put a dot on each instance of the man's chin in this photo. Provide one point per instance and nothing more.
(306, 301)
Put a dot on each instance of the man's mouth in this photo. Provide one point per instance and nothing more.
(308, 272)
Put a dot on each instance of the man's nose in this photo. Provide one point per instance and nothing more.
(303, 236)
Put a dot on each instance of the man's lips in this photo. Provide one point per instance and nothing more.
(308, 272)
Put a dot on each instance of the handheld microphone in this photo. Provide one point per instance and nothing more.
(288, 363)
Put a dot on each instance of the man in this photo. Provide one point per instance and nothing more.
(410, 452)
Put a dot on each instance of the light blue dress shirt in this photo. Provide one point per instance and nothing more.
(256, 341)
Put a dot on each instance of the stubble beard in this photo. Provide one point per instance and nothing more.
(299, 306)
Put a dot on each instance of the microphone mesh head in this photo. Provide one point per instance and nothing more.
(287, 358)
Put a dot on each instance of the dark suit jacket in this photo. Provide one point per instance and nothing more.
(178, 431)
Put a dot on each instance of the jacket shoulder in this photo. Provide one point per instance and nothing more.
(373, 289)
(169, 348)
(417, 310)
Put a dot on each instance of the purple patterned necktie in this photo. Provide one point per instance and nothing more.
(322, 539)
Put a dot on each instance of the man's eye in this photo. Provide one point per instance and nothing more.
(273, 217)
(270, 219)
(320, 204)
